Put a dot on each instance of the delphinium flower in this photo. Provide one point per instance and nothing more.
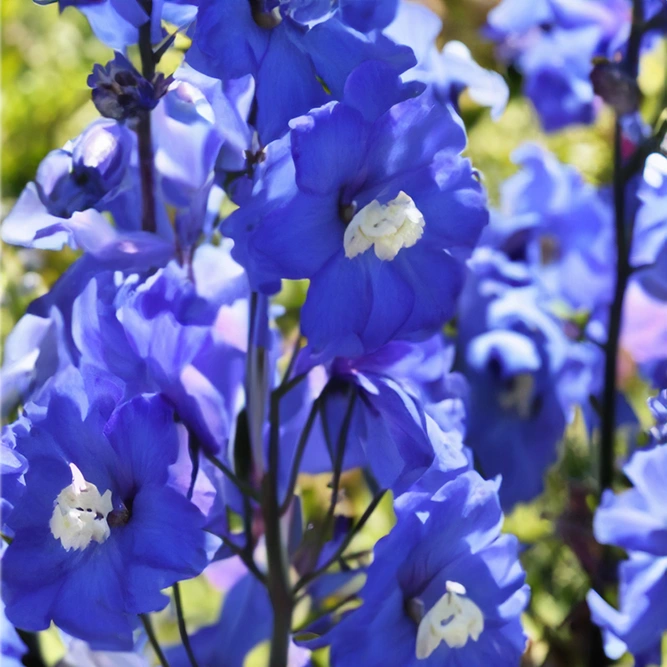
(378, 419)
(88, 173)
(560, 227)
(104, 524)
(553, 43)
(100, 171)
(636, 520)
(33, 351)
(445, 587)
(448, 72)
(650, 248)
(245, 622)
(525, 378)
(369, 199)
(181, 331)
(644, 325)
(297, 63)
(91, 175)
(117, 22)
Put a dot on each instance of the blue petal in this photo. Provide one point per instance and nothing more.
(286, 84)
(328, 146)
(337, 307)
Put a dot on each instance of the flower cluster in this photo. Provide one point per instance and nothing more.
(168, 416)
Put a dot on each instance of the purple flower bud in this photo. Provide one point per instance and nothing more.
(616, 87)
(121, 93)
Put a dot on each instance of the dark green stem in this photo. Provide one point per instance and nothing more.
(182, 630)
(148, 626)
(144, 138)
(279, 587)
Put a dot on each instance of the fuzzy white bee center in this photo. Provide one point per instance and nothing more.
(454, 619)
(80, 513)
(520, 396)
(389, 227)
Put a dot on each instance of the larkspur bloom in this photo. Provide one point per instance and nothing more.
(90, 172)
(525, 378)
(296, 67)
(636, 520)
(196, 134)
(448, 72)
(650, 249)
(370, 200)
(117, 22)
(34, 351)
(644, 326)
(245, 622)
(445, 587)
(104, 524)
(181, 331)
(553, 43)
(389, 432)
(560, 227)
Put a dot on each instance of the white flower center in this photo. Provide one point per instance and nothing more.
(520, 396)
(80, 513)
(453, 619)
(389, 227)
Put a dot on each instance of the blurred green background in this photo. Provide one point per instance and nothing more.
(46, 59)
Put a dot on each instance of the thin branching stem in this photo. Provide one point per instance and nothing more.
(150, 633)
(182, 630)
(242, 486)
(333, 559)
(247, 559)
(298, 456)
(292, 360)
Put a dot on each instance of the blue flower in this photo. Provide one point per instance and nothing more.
(372, 202)
(448, 72)
(103, 525)
(560, 227)
(636, 521)
(117, 22)
(245, 622)
(182, 332)
(361, 15)
(553, 42)
(390, 432)
(87, 173)
(295, 67)
(445, 587)
(650, 248)
(525, 378)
